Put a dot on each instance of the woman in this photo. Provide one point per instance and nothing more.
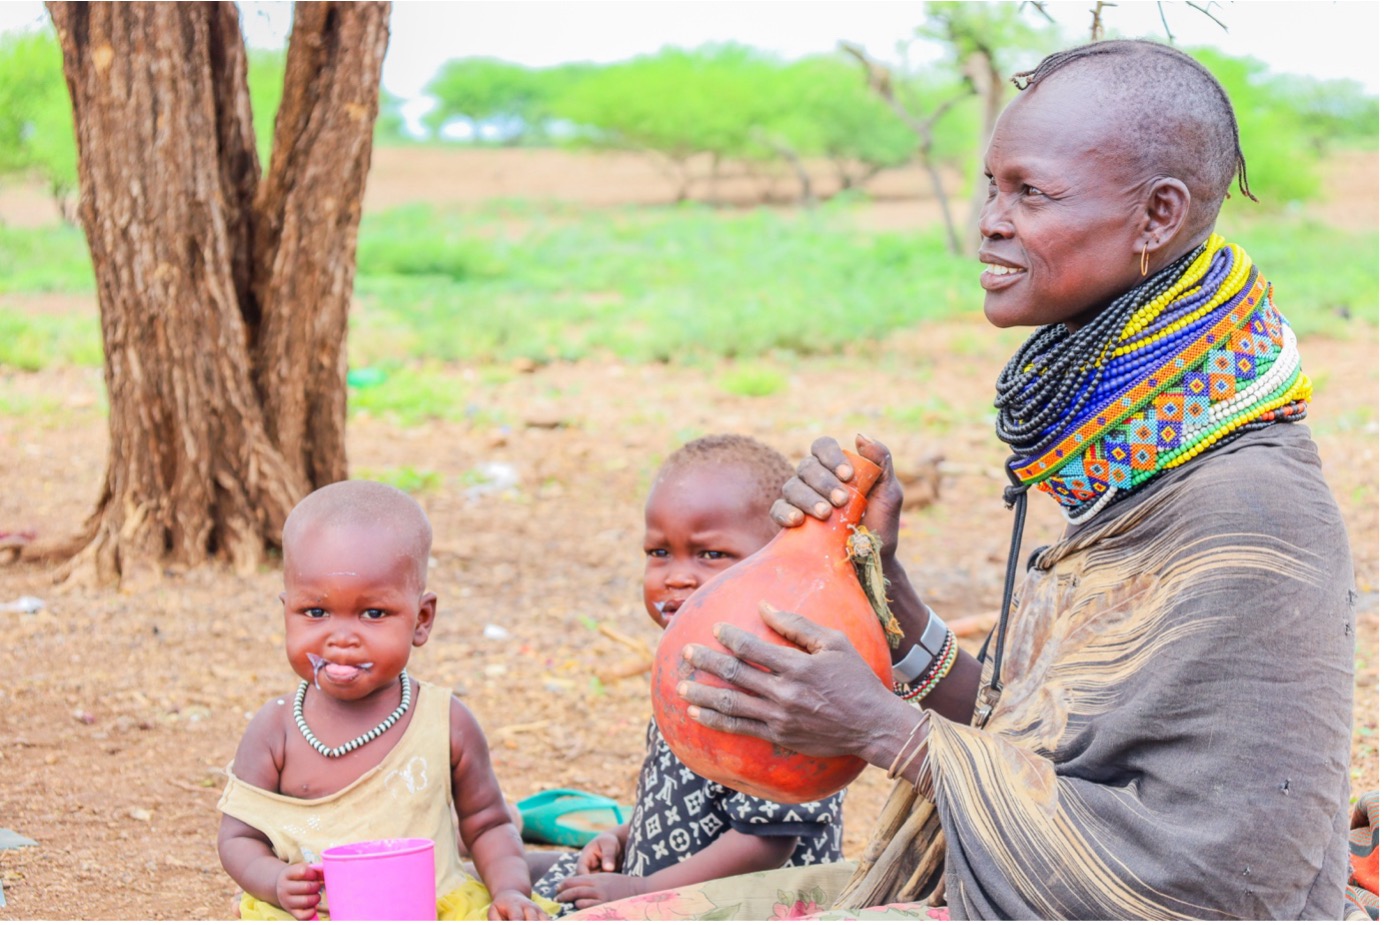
(1160, 724)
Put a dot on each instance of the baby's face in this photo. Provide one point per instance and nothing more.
(698, 522)
(353, 609)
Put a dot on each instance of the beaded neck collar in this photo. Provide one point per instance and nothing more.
(1190, 359)
(405, 699)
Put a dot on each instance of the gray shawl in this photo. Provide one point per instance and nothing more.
(1173, 738)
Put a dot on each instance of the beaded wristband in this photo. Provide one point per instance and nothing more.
(931, 684)
(922, 686)
(906, 689)
(924, 655)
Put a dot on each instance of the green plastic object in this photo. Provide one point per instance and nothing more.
(568, 817)
(365, 377)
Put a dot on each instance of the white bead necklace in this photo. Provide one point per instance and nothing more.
(359, 740)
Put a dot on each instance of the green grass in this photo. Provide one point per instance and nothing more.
(415, 393)
(754, 381)
(406, 479)
(1321, 277)
(939, 414)
(688, 284)
(643, 285)
(32, 341)
(49, 259)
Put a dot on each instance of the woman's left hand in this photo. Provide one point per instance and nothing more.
(820, 698)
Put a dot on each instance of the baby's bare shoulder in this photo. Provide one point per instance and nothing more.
(259, 757)
(466, 733)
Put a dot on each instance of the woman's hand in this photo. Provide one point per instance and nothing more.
(818, 487)
(820, 698)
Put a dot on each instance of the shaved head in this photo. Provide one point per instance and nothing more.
(1169, 113)
(373, 506)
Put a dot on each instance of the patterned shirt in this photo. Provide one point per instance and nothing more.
(677, 813)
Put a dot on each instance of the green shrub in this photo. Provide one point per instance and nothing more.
(754, 381)
(37, 341)
(36, 134)
(53, 258)
(411, 395)
(405, 478)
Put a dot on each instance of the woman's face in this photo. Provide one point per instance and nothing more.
(1061, 226)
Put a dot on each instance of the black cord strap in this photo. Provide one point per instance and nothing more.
(1015, 498)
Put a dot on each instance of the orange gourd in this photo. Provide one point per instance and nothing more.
(806, 570)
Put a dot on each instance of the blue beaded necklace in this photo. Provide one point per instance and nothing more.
(1185, 362)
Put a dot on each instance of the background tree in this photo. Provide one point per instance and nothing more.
(479, 91)
(36, 118)
(223, 293)
(820, 109)
(677, 105)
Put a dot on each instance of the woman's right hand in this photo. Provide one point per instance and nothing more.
(601, 854)
(818, 486)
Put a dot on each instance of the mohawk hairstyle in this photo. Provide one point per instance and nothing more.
(765, 465)
(1176, 115)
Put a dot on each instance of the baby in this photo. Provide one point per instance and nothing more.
(362, 751)
(707, 510)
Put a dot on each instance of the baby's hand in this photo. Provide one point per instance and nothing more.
(585, 890)
(299, 890)
(601, 854)
(513, 906)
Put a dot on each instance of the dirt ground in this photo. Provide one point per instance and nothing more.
(119, 710)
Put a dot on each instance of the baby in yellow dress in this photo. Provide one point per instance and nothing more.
(363, 751)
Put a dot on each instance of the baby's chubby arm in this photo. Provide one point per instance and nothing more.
(485, 823)
(246, 853)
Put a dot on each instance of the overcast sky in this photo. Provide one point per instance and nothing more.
(1323, 39)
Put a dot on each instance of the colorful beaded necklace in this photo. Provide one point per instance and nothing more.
(1192, 358)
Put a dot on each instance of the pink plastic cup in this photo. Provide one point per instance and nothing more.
(391, 880)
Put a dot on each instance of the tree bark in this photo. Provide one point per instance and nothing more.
(223, 298)
(309, 209)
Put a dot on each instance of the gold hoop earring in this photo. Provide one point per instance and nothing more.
(1144, 261)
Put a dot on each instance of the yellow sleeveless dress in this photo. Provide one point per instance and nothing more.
(407, 795)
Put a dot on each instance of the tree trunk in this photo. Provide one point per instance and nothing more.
(223, 299)
(939, 190)
(308, 212)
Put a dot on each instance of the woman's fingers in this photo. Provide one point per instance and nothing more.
(728, 668)
(724, 721)
(806, 636)
(829, 453)
(785, 514)
(798, 501)
(873, 450)
(815, 487)
(797, 629)
(763, 675)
